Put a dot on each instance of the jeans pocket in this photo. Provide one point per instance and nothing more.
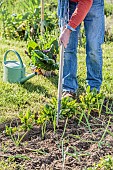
(98, 2)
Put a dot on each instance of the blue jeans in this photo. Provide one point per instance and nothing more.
(94, 31)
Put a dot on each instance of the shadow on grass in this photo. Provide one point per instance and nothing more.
(53, 80)
(36, 88)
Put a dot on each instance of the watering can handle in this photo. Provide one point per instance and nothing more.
(17, 54)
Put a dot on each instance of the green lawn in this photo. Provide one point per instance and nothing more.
(37, 91)
(31, 95)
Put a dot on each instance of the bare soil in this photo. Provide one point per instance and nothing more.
(79, 148)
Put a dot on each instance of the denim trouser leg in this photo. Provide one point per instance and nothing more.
(70, 63)
(70, 58)
(94, 29)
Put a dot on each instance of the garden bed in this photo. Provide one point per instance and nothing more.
(71, 148)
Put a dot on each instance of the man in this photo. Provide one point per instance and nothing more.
(92, 13)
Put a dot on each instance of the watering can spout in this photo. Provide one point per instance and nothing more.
(27, 77)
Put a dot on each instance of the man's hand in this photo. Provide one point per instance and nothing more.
(64, 37)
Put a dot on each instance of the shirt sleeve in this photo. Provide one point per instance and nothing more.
(80, 13)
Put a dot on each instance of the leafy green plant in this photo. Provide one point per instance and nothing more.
(69, 107)
(10, 164)
(105, 163)
(10, 130)
(14, 133)
(91, 101)
(43, 58)
(75, 153)
(49, 48)
(42, 61)
(47, 114)
(27, 120)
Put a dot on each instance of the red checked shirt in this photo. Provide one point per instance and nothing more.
(80, 12)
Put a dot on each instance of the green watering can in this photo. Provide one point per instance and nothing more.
(14, 71)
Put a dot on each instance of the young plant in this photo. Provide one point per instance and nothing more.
(27, 120)
(91, 101)
(48, 114)
(105, 163)
(43, 56)
(69, 107)
(14, 133)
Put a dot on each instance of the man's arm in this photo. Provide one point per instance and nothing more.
(77, 17)
(80, 12)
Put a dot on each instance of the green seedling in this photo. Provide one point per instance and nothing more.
(14, 133)
(27, 120)
(48, 114)
(63, 154)
(69, 107)
(19, 156)
(105, 163)
(38, 151)
(10, 130)
(76, 154)
(91, 101)
(43, 127)
(105, 131)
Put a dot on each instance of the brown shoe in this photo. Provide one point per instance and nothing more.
(68, 94)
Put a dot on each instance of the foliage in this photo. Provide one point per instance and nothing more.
(36, 92)
(29, 16)
(91, 101)
(42, 61)
(44, 58)
(10, 164)
(10, 130)
(108, 9)
(105, 163)
(69, 107)
(27, 120)
(48, 114)
(14, 133)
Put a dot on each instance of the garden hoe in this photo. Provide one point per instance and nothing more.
(63, 16)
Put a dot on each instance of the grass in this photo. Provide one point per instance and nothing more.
(34, 93)
(39, 90)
